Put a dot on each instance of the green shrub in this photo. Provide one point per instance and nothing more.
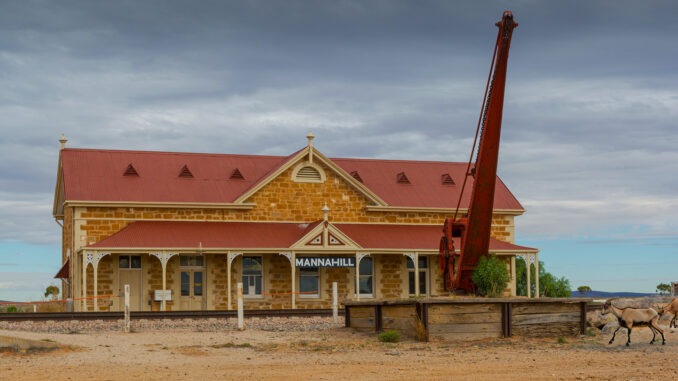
(490, 276)
(391, 336)
(11, 309)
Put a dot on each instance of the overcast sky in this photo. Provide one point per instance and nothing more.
(589, 142)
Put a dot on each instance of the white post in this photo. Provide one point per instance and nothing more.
(229, 266)
(163, 306)
(528, 266)
(335, 304)
(294, 296)
(127, 320)
(228, 280)
(95, 266)
(417, 291)
(241, 319)
(514, 286)
(35, 308)
(536, 276)
(84, 282)
(358, 257)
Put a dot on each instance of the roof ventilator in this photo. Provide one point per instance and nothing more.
(309, 173)
(446, 179)
(130, 171)
(402, 178)
(237, 175)
(356, 176)
(185, 172)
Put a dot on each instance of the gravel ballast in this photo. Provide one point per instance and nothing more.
(281, 324)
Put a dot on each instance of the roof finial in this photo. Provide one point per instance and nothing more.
(63, 141)
(310, 138)
(326, 212)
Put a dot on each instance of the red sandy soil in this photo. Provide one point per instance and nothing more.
(333, 354)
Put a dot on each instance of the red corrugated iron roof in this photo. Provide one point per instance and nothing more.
(98, 175)
(270, 235)
(65, 271)
(425, 186)
(175, 234)
(412, 237)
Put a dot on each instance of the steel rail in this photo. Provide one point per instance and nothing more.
(63, 316)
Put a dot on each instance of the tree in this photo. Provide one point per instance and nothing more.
(549, 285)
(490, 276)
(584, 289)
(52, 292)
(664, 288)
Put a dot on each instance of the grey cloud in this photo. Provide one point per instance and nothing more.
(589, 116)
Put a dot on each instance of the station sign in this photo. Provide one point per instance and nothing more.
(305, 262)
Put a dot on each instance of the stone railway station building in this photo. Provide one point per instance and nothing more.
(287, 227)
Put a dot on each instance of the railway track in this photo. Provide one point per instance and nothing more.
(64, 316)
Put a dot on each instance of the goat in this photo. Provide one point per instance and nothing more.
(672, 308)
(634, 317)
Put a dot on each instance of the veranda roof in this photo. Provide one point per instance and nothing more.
(277, 236)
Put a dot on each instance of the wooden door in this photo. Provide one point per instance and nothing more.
(192, 289)
(133, 278)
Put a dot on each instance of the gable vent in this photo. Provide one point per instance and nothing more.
(237, 175)
(356, 176)
(446, 179)
(309, 174)
(130, 171)
(185, 172)
(402, 178)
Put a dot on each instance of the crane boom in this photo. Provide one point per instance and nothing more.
(473, 230)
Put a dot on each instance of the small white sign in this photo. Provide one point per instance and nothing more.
(158, 295)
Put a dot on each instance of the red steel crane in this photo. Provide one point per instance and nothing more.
(472, 231)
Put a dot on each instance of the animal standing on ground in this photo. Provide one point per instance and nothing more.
(634, 317)
(672, 307)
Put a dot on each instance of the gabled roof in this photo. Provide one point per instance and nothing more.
(98, 175)
(89, 175)
(192, 235)
(424, 186)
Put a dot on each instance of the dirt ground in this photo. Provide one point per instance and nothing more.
(334, 354)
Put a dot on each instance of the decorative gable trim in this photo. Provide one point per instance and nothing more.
(335, 239)
(59, 195)
(318, 159)
(317, 241)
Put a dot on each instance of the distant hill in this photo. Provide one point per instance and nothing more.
(603, 294)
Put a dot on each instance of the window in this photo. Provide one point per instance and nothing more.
(365, 277)
(191, 261)
(185, 283)
(197, 283)
(252, 276)
(423, 275)
(129, 262)
(309, 282)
